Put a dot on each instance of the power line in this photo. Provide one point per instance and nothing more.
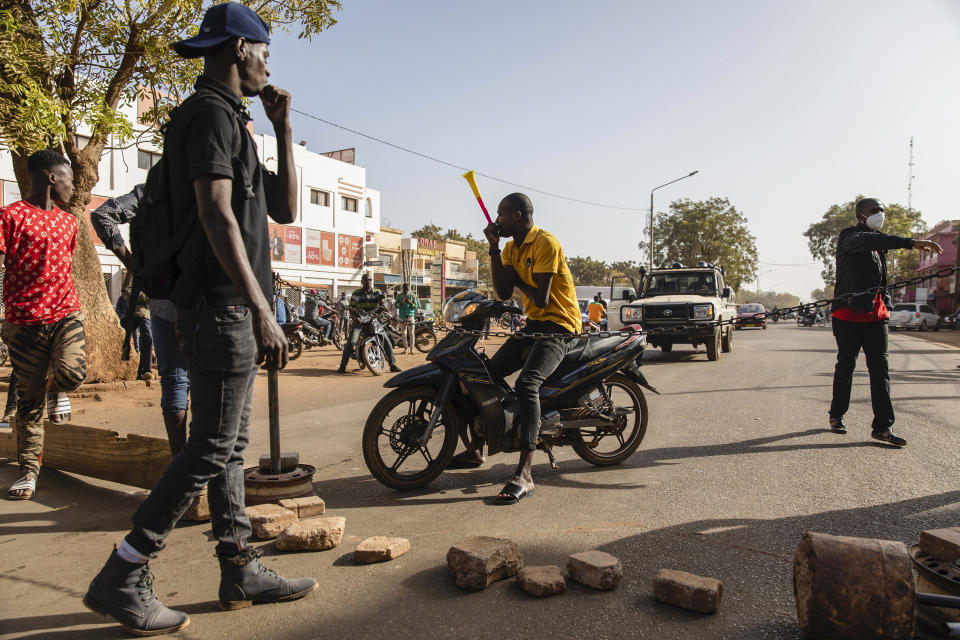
(796, 264)
(460, 168)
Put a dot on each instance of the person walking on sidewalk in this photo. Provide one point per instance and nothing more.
(174, 384)
(860, 321)
(141, 318)
(43, 327)
(224, 318)
(407, 305)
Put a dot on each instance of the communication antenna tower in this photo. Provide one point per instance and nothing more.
(910, 177)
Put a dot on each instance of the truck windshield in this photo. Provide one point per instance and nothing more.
(697, 283)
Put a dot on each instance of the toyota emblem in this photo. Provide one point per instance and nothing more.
(667, 313)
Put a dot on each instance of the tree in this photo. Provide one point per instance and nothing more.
(707, 230)
(587, 271)
(822, 294)
(822, 238)
(624, 268)
(67, 66)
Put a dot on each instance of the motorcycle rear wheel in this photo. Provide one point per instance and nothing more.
(294, 347)
(394, 422)
(425, 341)
(373, 357)
(587, 442)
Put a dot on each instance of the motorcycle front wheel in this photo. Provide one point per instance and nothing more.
(294, 347)
(425, 341)
(337, 338)
(391, 449)
(373, 358)
(608, 445)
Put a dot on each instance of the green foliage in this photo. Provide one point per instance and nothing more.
(707, 230)
(70, 63)
(624, 268)
(587, 271)
(822, 294)
(900, 221)
(769, 299)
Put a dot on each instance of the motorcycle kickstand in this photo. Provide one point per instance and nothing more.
(549, 451)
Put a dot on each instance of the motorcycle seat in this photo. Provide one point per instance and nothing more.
(590, 348)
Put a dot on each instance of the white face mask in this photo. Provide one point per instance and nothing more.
(875, 221)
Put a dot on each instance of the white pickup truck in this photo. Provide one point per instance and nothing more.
(680, 296)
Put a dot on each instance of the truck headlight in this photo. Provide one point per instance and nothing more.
(631, 314)
(703, 312)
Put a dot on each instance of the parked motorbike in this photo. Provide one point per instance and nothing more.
(593, 402)
(295, 338)
(424, 333)
(370, 352)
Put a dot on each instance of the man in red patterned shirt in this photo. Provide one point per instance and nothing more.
(43, 327)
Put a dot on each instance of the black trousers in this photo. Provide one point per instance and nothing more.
(872, 338)
(536, 359)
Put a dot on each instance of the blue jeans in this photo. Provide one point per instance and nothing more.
(174, 384)
(145, 343)
(220, 351)
(324, 326)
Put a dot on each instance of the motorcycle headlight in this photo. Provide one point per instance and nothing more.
(631, 314)
(703, 312)
(460, 306)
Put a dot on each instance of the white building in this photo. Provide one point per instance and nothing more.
(324, 247)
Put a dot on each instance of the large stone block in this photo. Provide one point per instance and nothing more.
(481, 560)
(687, 591)
(596, 569)
(380, 549)
(542, 581)
(268, 520)
(312, 534)
(305, 507)
(199, 509)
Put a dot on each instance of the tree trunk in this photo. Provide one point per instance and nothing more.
(104, 336)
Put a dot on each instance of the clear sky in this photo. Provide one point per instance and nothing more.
(784, 107)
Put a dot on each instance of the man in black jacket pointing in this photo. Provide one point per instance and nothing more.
(860, 321)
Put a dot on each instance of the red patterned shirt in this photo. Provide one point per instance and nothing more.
(38, 247)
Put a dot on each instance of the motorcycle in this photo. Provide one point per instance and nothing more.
(424, 333)
(593, 402)
(811, 318)
(295, 338)
(369, 352)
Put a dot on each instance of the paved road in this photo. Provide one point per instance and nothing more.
(736, 465)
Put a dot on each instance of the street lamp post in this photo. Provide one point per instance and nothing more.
(692, 173)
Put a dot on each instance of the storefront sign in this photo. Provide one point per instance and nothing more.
(285, 243)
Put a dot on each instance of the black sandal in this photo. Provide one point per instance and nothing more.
(514, 492)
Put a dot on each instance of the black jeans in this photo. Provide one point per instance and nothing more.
(352, 344)
(872, 338)
(220, 352)
(536, 359)
(145, 343)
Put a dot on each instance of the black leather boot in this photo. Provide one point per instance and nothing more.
(242, 585)
(124, 591)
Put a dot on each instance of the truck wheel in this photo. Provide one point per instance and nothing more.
(713, 346)
(666, 347)
(726, 345)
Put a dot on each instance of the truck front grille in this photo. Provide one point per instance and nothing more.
(665, 312)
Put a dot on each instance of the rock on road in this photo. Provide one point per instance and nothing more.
(737, 463)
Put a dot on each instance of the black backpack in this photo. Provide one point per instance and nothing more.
(161, 229)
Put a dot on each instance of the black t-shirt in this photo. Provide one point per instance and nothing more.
(202, 140)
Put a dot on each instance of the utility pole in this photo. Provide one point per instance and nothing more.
(692, 173)
(910, 178)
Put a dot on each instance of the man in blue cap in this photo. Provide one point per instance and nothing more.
(225, 320)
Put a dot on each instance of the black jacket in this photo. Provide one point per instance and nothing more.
(862, 266)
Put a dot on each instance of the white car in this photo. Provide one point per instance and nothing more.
(914, 315)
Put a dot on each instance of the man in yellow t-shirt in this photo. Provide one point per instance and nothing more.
(533, 262)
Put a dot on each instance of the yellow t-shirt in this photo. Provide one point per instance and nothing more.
(541, 253)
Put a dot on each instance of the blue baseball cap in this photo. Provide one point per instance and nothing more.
(220, 23)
